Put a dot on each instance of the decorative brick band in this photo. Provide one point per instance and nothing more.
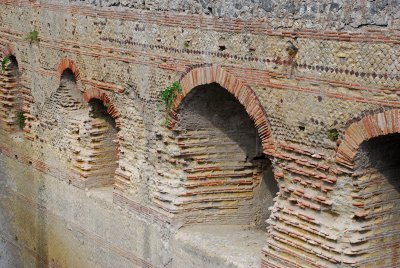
(95, 93)
(69, 64)
(366, 128)
(206, 74)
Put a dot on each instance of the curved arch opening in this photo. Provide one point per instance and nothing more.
(102, 143)
(228, 180)
(378, 187)
(13, 65)
(11, 114)
(68, 93)
(228, 185)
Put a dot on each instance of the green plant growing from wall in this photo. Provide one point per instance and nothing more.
(33, 36)
(4, 62)
(186, 44)
(21, 119)
(333, 134)
(168, 96)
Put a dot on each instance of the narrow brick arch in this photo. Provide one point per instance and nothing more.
(9, 50)
(244, 94)
(368, 127)
(15, 99)
(69, 64)
(99, 94)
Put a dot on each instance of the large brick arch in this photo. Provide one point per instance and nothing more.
(244, 94)
(69, 64)
(99, 94)
(366, 128)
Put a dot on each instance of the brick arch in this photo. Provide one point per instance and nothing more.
(9, 50)
(99, 94)
(69, 64)
(368, 127)
(244, 94)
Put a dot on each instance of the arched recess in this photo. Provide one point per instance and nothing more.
(82, 127)
(371, 149)
(96, 141)
(368, 127)
(224, 139)
(66, 64)
(243, 93)
(11, 101)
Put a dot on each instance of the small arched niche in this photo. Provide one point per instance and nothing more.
(102, 143)
(378, 187)
(95, 148)
(68, 94)
(11, 115)
(229, 179)
(82, 131)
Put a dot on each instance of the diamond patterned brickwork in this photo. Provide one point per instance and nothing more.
(376, 64)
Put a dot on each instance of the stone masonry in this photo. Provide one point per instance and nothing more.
(280, 151)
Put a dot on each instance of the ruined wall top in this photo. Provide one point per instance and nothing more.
(326, 14)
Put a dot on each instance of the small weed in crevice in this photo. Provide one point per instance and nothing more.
(291, 50)
(186, 44)
(4, 62)
(333, 134)
(21, 119)
(33, 36)
(168, 96)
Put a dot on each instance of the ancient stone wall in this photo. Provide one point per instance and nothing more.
(286, 112)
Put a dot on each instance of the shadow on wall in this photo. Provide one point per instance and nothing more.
(379, 189)
(10, 96)
(228, 177)
(83, 134)
(68, 81)
(382, 157)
